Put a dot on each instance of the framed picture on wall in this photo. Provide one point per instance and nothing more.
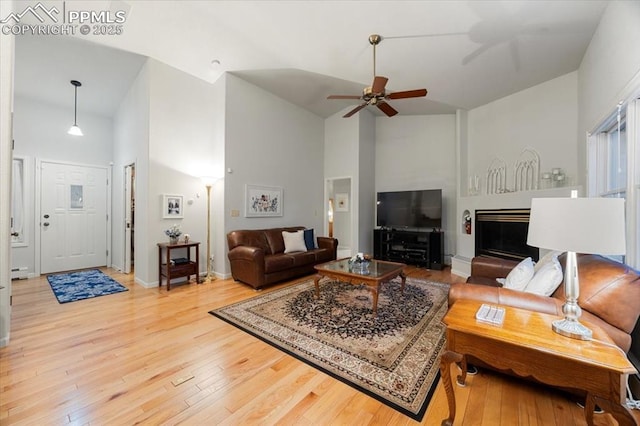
(172, 206)
(263, 201)
(342, 202)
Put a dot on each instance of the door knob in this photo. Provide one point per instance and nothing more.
(15, 234)
(46, 224)
(46, 216)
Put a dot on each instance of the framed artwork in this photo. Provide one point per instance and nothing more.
(172, 206)
(263, 201)
(342, 202)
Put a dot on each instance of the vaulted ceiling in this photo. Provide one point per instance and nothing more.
(466, 53)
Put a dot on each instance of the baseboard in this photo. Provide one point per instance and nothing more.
(145, 284)
(461, 266)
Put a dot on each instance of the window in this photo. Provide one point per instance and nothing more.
(614, 168)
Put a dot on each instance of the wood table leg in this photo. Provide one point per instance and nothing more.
(446, 359)
(316, 282)
(375, 290)
(403, 277)
(624, 415)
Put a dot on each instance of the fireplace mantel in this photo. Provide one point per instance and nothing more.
(465, 243)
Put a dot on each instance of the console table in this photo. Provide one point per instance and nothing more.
(171, 269)
(526, 345)
(414, 247)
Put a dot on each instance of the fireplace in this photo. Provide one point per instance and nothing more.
(503, 233)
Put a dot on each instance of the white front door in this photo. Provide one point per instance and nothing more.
(73, 217)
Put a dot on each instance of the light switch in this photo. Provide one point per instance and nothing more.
(235, 213)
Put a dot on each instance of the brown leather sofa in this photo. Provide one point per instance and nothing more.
(257, 256)
(609, 293)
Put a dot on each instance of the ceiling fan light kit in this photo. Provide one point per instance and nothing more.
(376, 94)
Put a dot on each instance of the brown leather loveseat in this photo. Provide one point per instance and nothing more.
(257, 256)
(609, 293)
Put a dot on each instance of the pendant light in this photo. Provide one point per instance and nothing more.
(75, 130)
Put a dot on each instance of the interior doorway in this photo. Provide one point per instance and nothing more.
(338, 201)
(129, 217)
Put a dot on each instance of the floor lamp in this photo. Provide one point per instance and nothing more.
(576, 225)
(330, 217)
(208, 183)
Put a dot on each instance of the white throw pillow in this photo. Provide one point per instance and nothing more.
(293, 241)
(520, 276)
(552, 255)
(546, 280)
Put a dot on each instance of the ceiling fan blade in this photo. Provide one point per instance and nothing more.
(344, 97)
(378, 84)
(353, 111)
(387, 109)
(408, 94)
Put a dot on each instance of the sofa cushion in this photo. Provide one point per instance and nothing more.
(302, 258)
(274, 237)
(520, 276)
(277, 262)
(294, 242)
(251, 238)
(547, 279)
(609, 290)
(549, 257)
(309, 239)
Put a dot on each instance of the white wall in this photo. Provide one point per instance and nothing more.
(274, 143)
(419, 152)
(6, 107)
(40, 132)
(349, 152)
(182, 149)
(131, 145)
(366, 188)
(543, 117)
(610, 63)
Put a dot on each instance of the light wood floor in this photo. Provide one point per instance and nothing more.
(155, 357)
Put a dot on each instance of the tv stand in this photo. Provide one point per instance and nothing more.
(422, 248)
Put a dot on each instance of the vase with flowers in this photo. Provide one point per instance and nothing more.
(174, 233)
(359, 264)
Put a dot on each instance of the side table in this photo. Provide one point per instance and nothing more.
(526, 345)
(171, 269)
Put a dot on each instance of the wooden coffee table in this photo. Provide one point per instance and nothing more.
(378, 272)
(526, 345)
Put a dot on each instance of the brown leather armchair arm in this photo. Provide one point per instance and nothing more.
(505, 296)
(247, 264)
(491, 267)
(328, 243)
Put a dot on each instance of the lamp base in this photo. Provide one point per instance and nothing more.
(571, 328)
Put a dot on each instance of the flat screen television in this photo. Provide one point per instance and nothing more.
(410, 209)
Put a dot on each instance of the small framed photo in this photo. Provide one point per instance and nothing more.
(263, 201)
(172, 206)
(342, 202)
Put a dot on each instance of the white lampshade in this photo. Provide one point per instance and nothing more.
(75, 131)
(580, 225)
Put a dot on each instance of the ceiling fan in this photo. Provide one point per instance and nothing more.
(376, 94)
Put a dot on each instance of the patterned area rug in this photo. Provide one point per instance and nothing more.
(80, 285)
(393, 357)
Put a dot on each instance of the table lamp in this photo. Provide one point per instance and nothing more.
(576, 225)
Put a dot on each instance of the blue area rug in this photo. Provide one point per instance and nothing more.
(81, 285)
